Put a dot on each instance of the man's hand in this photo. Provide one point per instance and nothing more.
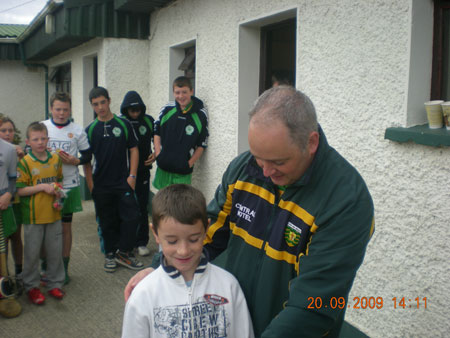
(68, 159)
(5, 200)
(135, 281)
(151, 158)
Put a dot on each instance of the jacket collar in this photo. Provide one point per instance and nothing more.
(174, 273)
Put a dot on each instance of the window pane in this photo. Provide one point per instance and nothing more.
(445, 54)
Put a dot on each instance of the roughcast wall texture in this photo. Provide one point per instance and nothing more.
(352, 60)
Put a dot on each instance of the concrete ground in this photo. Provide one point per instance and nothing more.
(93, 305)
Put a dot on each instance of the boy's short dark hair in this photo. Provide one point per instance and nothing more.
(97, 92)
(60, 96)
(182, 81)
(182, 202)
(36, 126)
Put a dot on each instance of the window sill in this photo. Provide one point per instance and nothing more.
(420, 135)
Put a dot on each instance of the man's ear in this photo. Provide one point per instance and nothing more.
(154, 233)
(313, 143)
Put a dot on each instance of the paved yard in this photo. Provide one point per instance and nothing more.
(93, 305)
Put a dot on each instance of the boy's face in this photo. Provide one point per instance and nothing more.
(7, 132)
(37, 140)
(182, 95)
(134, 113)
(101, 106)
(182, 244)
(60, 111)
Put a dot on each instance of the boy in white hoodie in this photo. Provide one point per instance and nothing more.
(185, 296)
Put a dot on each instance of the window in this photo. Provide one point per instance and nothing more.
(278, 54)
(188, 64)
(266, 44)
(182, 63)
(429, 72)
(440, 84)
(61, 76)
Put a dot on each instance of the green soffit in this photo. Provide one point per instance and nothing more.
(73, 22)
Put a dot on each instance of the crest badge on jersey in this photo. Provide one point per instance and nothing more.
(189, 130)
(35, 171)
(116, 131)
(142, 130)
(70, 135)
(292, 234)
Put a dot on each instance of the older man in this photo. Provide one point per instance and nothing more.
(291, 221)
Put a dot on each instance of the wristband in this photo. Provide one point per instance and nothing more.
(133, 176)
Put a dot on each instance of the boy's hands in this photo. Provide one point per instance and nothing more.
(5, 200)
(68, 159)
(20, 152)
(151, 158)
(131, 182)
(47, 188)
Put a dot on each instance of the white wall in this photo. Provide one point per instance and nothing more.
(122, 66)
(22, 94)
(81, 110)
(353, 60)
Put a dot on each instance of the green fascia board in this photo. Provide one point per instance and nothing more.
(419, 134)
(75, 25)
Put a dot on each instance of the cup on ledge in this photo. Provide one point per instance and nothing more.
(446, 113)
(434, 114)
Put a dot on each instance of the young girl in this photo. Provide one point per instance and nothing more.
(7, 133)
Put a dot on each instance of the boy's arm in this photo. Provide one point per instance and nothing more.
(87, 168)
(157, 144)
(5, 200)
(195, 156)
(34, 189)
(134, 162)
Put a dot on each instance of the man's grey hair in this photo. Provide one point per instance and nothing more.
(290, 106)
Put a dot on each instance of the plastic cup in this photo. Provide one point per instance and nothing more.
(434, 114)
(446, 113)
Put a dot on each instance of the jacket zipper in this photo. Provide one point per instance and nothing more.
(191, 328)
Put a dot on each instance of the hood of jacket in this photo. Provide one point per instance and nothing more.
(132, 99)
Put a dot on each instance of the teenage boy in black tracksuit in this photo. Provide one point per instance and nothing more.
(115, 148)
(133, 109)
(181, 135)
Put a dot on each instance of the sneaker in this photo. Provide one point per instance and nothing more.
(143, 251)
(36, 297)
(56, 293)
(128, 260)
(110, 263)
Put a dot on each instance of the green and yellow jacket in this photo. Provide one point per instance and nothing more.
(295, 250)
